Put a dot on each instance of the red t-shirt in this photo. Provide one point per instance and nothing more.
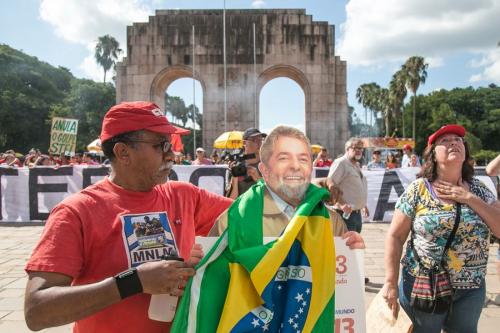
(324, 163)
(105, 229)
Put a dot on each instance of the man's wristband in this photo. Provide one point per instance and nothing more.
(128, 283)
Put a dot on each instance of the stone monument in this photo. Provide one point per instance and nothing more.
(288, 44)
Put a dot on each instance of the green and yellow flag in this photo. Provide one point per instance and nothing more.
(243, 285)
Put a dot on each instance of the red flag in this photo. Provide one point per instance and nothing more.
(175, 140)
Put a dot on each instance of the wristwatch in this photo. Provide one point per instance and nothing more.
(128, 283)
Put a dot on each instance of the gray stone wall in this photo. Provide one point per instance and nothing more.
(288, 44)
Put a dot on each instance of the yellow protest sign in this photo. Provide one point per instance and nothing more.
(63, 136)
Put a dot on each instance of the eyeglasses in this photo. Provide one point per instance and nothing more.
(357, 148)
(448, 141)
(164, 145)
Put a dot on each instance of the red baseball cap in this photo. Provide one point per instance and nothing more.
(446, 129)
(135, 116)
(407, 147)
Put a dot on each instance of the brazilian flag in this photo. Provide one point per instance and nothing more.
(243, 285)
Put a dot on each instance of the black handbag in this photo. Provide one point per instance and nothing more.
(432, 291)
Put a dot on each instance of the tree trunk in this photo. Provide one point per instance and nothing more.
(403, 123)
(104, 76)
(371, 123)
(387, 124)
(414, 113)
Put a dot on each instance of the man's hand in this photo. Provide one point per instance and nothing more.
(164, 277)
(196, 255)
(327, 183)
(253, 172)
(353, 240)
(346, 208)
(365, 212)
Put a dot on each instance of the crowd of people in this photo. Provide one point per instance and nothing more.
(393, 159)
(448, 214)
(35, 158)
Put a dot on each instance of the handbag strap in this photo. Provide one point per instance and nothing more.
(458, 207)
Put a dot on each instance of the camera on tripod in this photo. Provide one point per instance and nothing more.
(239, 168)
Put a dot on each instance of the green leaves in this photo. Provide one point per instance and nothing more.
(32, 92)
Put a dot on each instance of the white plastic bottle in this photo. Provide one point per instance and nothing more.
(162, 307)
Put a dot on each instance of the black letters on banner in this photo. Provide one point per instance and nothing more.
(207, 172)
(173, 175)
(390, 180)
(35, 187)
(87, 173)
(7, 172)
(321, 173)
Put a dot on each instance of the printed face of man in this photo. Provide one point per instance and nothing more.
(288, 170)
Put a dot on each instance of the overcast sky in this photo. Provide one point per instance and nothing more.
(457, 37)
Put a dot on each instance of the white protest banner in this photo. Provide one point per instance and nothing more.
(28, 194)
(349, 287)
(63, 136)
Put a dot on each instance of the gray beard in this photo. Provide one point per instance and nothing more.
(292, 193)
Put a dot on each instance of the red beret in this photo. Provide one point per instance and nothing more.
(407, 147)
(135, 116)
(446, 129)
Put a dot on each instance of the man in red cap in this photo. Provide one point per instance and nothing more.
(406, 160)
(125, 223)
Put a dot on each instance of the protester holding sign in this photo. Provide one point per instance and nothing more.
(124, 223)
(450, 215)
(293, 275)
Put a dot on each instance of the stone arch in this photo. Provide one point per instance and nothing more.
(288, 43)
(289, 72)
(165, 77)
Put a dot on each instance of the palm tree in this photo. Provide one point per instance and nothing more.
(397, 95)
(366, 96)
(177, 108)
(106, 52)
(363, 96)
(383, 105)
(415, 70)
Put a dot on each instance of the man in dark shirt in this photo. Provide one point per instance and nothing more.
(252, 140)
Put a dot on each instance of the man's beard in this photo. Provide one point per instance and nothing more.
(164, 172)
(292, 193)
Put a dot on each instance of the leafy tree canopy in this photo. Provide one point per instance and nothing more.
(32, 92)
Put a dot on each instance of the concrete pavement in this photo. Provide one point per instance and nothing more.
(16, 244)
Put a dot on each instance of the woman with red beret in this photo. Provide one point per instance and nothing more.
(445, 194)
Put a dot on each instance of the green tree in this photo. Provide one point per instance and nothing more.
(177, 108)
(383, 105)
(106, 53)
(442, 115)
(415, 69)
(198, 116)
(88, 101)
(28, 89)
(366, 96)
(397, 95)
